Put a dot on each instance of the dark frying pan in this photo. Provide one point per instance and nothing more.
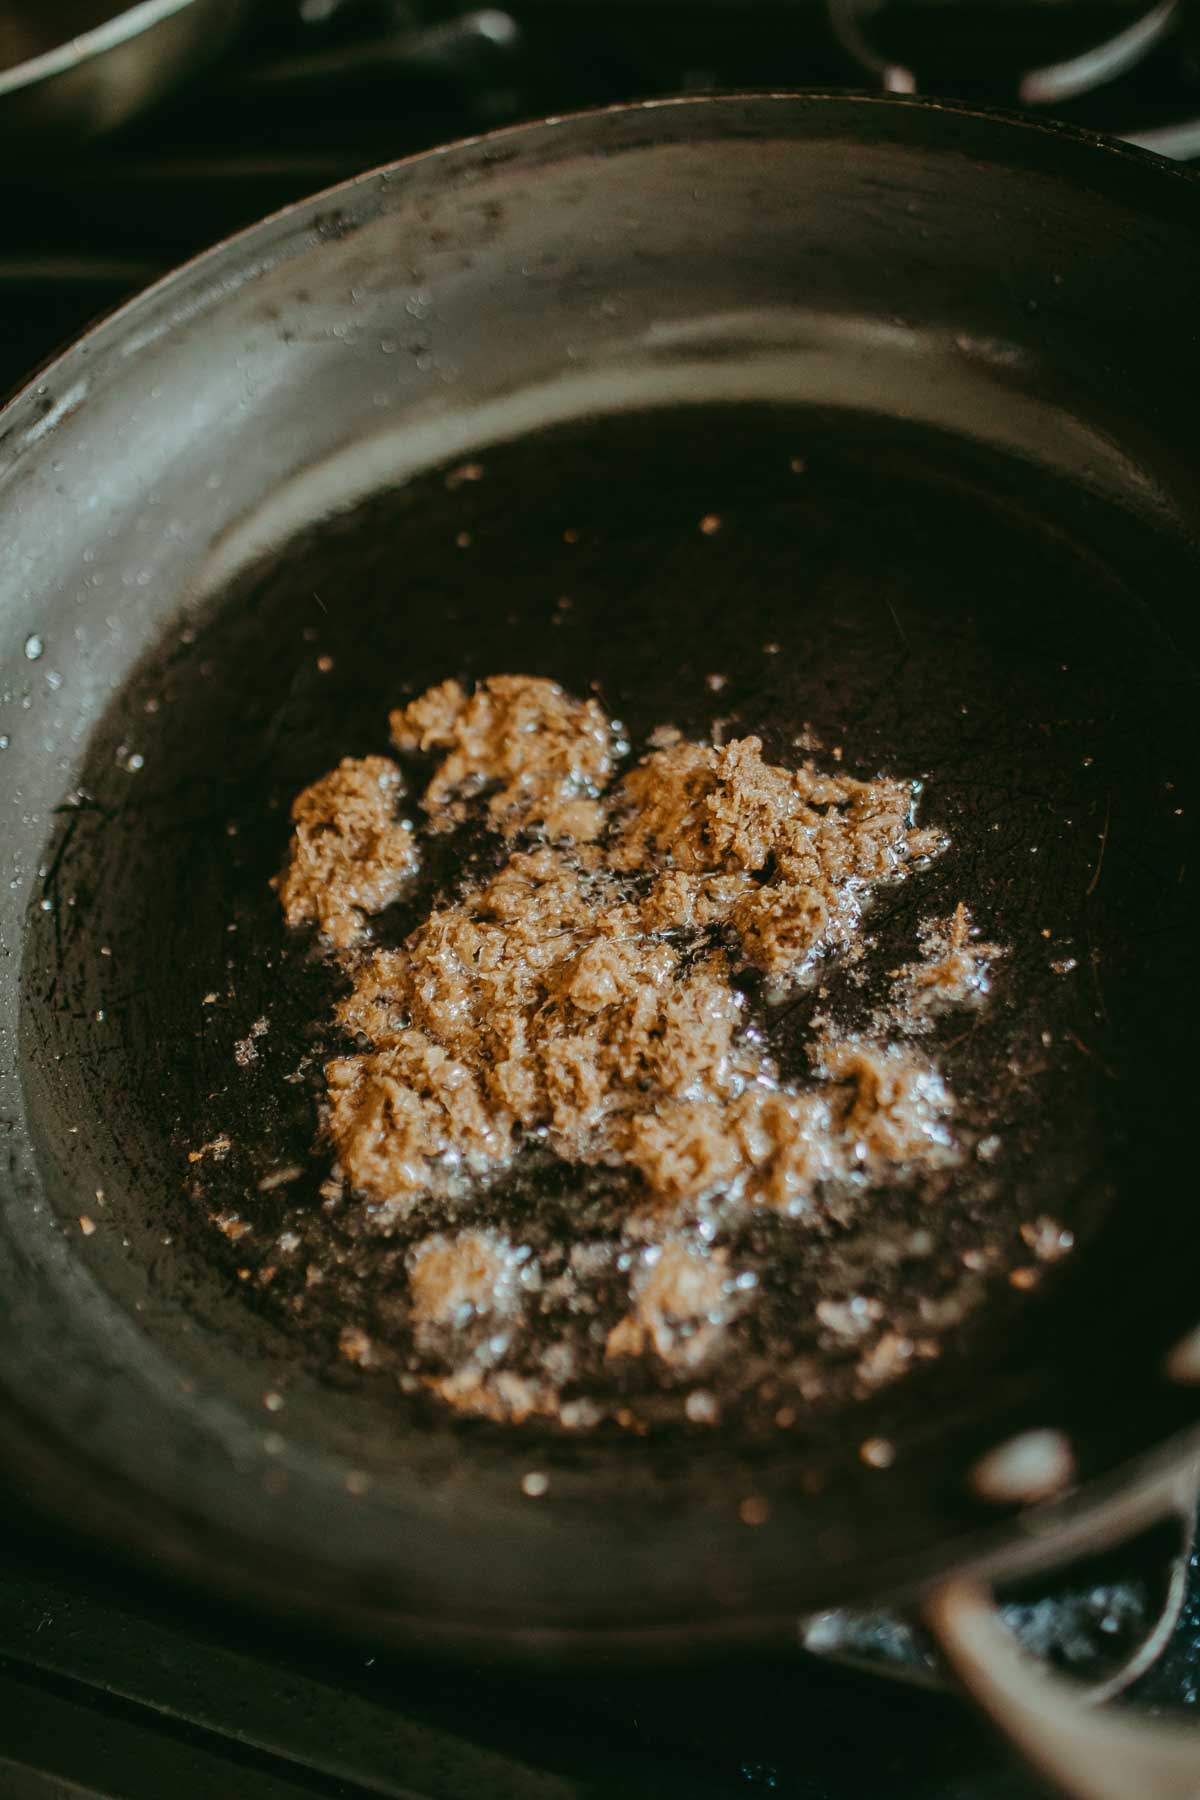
(980, 338)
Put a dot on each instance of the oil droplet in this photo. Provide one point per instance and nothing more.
(535, 1484)
(33, 646)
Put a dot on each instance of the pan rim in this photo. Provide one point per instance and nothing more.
(264, 229)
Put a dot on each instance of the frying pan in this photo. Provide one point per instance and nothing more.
(228, 544)
(86, 69)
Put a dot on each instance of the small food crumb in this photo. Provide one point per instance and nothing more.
(954, 970)
(878, 1453)
(702, 1408)
(1047, 1239)
(218, 1149)
(280, 1178)
(710, 524)
(885, 1360)
(86, 1225)
(453, 1278)
(355, 1346)
(754, 1510)
(535, 1484)
(849, 1318)
(679, 1302)
(468, 471)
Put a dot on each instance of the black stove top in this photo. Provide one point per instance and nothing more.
(325, 88)
(119, 1685)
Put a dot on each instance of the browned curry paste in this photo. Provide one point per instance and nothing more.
(587, 997)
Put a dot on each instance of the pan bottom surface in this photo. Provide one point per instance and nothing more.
(910, 602)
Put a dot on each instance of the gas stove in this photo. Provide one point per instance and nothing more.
(116, 1685)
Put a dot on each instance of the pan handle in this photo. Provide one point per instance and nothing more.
(1090, 1755)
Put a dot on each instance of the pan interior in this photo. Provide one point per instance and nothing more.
(920, 604)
